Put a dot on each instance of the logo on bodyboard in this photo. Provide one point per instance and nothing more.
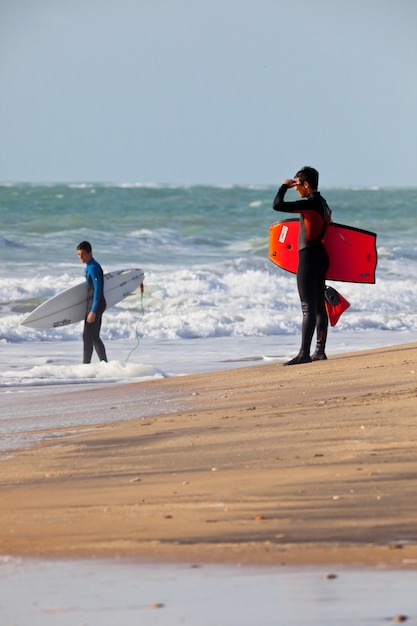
(283, 234)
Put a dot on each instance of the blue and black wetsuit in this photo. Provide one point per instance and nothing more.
(95, 304)
(313, 263)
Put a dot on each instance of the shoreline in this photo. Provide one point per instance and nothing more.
(306, 465)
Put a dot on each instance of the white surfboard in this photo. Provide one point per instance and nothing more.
(70, 306)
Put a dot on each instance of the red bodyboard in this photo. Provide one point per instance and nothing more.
(352, 251)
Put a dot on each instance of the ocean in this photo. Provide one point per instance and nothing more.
(212, 298)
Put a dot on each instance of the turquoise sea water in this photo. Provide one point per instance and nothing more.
(209, 287)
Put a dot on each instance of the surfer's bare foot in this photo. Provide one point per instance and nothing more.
(300, 358)
(319, 356)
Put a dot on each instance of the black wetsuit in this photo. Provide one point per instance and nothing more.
(313, 263)
(97, 304)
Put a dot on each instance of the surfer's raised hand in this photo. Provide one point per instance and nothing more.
(289, 182)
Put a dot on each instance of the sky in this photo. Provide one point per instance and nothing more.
(208, 92)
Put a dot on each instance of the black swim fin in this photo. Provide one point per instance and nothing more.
(336, 304)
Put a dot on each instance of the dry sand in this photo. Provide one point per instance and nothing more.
(264, 464)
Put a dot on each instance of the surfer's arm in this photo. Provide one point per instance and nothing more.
(279, 203)
(96, 279)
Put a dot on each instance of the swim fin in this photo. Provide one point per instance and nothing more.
(335, 305)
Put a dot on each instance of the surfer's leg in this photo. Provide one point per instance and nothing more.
(307, 292)
(97, 342)
(100, 349)
(91, 338)
(88, 343)
(322, 321)
(308, 326)
(322, 325)
(307, 332)
(319, 352)
(307, 288)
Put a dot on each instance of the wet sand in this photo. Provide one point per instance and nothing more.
(310, 464)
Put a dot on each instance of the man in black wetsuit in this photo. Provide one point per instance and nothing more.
(313, 261)
(96, 304)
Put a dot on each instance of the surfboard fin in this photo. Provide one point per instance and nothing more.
(336, 304)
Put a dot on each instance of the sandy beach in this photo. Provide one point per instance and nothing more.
(310, 464)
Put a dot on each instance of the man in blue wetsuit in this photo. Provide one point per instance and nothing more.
(313, 261)
(96, 303)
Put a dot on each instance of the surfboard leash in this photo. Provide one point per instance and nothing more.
(137, 324)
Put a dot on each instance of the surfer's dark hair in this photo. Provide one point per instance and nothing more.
(85, 245)
(308, 174)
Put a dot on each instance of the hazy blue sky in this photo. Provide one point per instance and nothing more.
(213, 91)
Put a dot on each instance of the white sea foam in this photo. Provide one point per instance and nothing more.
(52, 373)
